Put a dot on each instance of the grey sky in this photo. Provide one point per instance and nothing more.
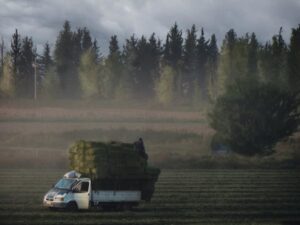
(43, 19)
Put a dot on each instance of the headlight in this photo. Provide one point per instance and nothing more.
(60, 197)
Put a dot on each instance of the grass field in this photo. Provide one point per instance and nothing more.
(37, 137)
(181, 197)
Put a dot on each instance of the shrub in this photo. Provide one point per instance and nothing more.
(252, 117)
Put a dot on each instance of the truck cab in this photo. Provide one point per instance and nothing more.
(69, 193)
(73, 192)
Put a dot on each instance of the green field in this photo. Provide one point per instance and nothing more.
(181, 197)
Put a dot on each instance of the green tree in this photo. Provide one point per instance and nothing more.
(50, 87)
(202, 56)
(294, 60)
(89, 75)
(273, 61)
(166, 50)
(174, 57)
(25, 81)
(46, 60)
(113, 68)
(235, 62)
(76, 48)
(15, 51)
(165, 86)
(190, 62)
(67, 60)
(2, 47)
(253, 48)
(211, 68)
(155, 53)
(226, 69)
(7, 80)
(127, 84)
(252, 117)
(86, 39)
(147, 63)
(174, 48)
(96, 51)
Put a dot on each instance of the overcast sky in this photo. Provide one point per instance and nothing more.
(43, 19)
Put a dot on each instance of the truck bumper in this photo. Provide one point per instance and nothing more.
(52, 204)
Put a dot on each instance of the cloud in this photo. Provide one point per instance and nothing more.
(43, 19)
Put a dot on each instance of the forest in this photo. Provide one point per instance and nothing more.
(185, 68)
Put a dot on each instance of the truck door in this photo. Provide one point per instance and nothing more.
(82, 194)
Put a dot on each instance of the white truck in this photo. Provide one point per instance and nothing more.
(73, 192)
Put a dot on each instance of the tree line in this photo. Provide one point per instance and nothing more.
(184, 68)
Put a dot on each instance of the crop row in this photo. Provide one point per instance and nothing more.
(181, 197)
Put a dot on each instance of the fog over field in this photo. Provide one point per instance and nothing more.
(174, 112)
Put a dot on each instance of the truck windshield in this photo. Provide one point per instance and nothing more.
(65, 183)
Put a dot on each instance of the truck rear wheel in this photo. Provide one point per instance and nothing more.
(127, 206)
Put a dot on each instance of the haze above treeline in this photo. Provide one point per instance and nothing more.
(184, 68)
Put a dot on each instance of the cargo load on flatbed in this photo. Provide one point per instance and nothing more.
(114, 166)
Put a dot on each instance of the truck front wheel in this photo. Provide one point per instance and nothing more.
(72, 207)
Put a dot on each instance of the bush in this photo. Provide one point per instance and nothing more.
(252, 117)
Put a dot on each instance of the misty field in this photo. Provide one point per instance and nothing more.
(38, 135)
(181, 197)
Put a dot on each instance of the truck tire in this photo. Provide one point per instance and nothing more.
(72, 207)
(127, 206)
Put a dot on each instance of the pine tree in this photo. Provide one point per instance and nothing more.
(96, 51)
(190, 62)
(294, 60)
(67, 61)
(273, 61)
(253, 56)
(86, 39)
(238, 60)
(279, 50)
(76, 47)
(265, 62)
(127, 83)
(45, 64)
(202, 55)
(25, 82)
(211, 68)
(226, 69)
(166, 50)
(46, 57)
(175, 46)
(147, 65)
(2, 47)
(155, 55)
(143, 78)
(113, 68)
(15, 51)
(173, 57)
(50, 87)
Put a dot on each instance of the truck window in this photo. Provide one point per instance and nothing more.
(65, 183)
(84, 186)
(81, 187)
